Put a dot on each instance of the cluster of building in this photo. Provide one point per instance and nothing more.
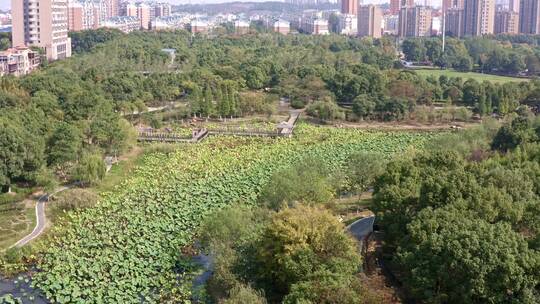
(459, 18)
(18, 61)
(480, 17)
(405, 18)
(125, 16)
(45, 23)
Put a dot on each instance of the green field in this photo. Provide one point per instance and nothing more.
(466, 75)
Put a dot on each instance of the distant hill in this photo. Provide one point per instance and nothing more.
(246, 7)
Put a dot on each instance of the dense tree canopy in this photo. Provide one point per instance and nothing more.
(463, 224)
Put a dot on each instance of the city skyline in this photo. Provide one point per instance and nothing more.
(6, 5)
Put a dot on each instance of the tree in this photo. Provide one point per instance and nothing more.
(308, 182)
(300, 243)
(364, 106)
(414, 49)
(333, 23)
(363, 169)
(207, 105)
(22, 153)
(64, 144)
(452, 257)
(90, 169)
(518, 132)
(255, 77)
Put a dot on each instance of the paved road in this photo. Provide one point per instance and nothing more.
(362, 227)
(41, 219)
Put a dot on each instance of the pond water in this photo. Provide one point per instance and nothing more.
(19, 287)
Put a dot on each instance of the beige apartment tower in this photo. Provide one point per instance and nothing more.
(42, 23)
(415, 21)
(369, 21)
(479, 17)
(529, 17)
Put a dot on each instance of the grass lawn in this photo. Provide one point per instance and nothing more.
(466, 75)
(17, 219)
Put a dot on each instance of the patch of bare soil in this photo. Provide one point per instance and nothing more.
(403, 126)
(375, 278)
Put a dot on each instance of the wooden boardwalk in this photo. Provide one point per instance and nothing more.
(171, 137)
(283, 129)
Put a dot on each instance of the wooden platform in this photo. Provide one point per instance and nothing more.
(283, 129)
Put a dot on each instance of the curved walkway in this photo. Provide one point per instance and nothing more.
(362, 227)
(41, 219)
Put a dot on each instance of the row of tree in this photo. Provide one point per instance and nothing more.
(494, 54)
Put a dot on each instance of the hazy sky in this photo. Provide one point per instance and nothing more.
(5, 4)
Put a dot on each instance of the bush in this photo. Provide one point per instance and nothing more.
(242, 294)
(75, 199)
(325, 110)
(297, 104)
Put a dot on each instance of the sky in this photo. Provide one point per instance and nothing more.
(5, 4)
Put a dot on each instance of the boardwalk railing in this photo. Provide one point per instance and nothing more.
(244, 132)
(284, 129)
(163, 137)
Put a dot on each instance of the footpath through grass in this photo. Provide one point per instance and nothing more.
(17, 217)
(466, 75)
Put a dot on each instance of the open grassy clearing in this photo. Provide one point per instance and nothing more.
(466, 75)
(16, 220)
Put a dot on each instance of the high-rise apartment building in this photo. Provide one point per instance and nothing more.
(415, 21)
(161, 10)
(42, 23)
(454, 22)
(513, 5)
(141, 11)
(112, 8)
(349, 7)
(529, 17)
(396, 5)
(85, 14)
(369, 21)
(479, 17)
(75, 17)
(506, 22)
(448, 4)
